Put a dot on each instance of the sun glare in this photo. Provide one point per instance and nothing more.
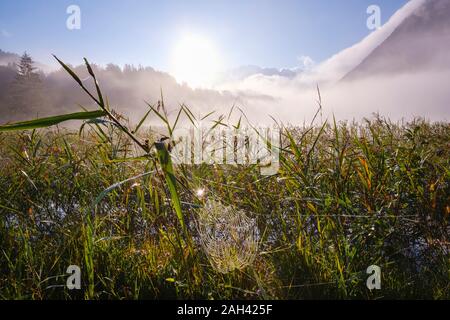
(195, 61)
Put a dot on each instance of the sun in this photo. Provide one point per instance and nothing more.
(195, 61)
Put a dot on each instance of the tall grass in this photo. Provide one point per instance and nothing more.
(108, 198)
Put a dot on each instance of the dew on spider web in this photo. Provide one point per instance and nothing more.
(227, 235)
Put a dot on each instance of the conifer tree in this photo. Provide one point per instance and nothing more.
(26, 97)
(25, 69)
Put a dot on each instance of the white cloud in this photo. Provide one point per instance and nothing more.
(5, 33)
(306, 62)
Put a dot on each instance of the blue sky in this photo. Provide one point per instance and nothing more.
(267, 33)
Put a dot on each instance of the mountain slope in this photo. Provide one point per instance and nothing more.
(420, 43)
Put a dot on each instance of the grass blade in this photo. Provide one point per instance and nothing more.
(51, 121)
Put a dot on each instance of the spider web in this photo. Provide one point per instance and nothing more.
(228, 236)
